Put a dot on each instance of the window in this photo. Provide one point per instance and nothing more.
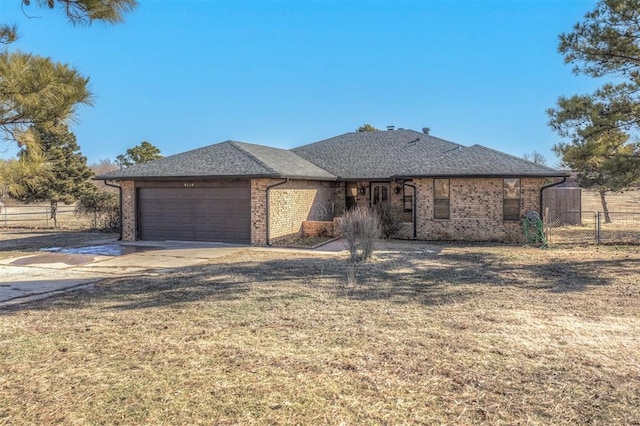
(379, 193)
(441, 198)
(511, 199)
(407, 198)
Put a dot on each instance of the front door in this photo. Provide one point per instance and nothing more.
(379, 192)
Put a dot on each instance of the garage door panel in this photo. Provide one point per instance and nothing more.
(196, 214)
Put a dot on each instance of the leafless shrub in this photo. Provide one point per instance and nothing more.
(361, 228)
(389, 222)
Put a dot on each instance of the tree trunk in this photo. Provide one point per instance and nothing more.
(54, 213)
(605, 209)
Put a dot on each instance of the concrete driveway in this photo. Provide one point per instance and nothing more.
(59, 270)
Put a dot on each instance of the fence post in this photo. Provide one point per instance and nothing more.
(598, 228)
(545, 224)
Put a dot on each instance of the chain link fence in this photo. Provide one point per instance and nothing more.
(591, 227)
(618, 227)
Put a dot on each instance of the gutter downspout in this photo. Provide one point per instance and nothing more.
(564, 179)
(268, 207)
(414, 212)
(120, 194)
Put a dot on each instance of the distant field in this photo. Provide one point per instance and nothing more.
(627, 201)
(623, 228)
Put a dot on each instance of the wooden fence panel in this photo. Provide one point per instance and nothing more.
(565, 202)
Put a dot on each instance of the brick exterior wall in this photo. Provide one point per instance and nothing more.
(128, 210)
(475, 210)
(312, 228)
(291, 204)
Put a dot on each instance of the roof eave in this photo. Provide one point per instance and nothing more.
(208, 177)
(480, 175)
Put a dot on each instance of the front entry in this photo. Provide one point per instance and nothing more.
(379, 192)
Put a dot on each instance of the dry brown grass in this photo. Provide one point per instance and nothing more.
(20, 242)
(461, 335)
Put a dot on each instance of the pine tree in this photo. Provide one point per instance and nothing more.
(367, 128)
(598, 125)
(600, 163)
(77, 11)
(139, 154)
(36, 90)
(69, 168)
(18, 176)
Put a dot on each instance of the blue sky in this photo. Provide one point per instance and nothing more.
(183, 74)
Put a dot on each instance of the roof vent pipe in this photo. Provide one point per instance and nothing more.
(425, 130)
(391, 127)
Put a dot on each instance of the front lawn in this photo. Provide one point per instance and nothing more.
(444, 335)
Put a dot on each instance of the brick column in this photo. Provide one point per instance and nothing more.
(128, 210)
(259, 211)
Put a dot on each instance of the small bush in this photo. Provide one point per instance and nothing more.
(389, 222)
(361, 228)
(104, 209)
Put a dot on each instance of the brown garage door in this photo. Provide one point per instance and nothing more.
(218, 213)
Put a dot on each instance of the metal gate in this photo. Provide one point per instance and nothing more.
(590, 227)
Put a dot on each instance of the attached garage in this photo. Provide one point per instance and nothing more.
(218, 193)
(218, 211)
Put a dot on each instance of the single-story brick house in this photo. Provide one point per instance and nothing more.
(245, 193)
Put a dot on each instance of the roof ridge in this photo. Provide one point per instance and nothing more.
(448, 153)
(514, 157)
(236, 145)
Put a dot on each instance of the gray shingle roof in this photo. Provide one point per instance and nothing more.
(225, 159)
(366, 156)
(374, 155)
(478, 160)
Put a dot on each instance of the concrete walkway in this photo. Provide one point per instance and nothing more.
(57, 270)
(48, 273)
